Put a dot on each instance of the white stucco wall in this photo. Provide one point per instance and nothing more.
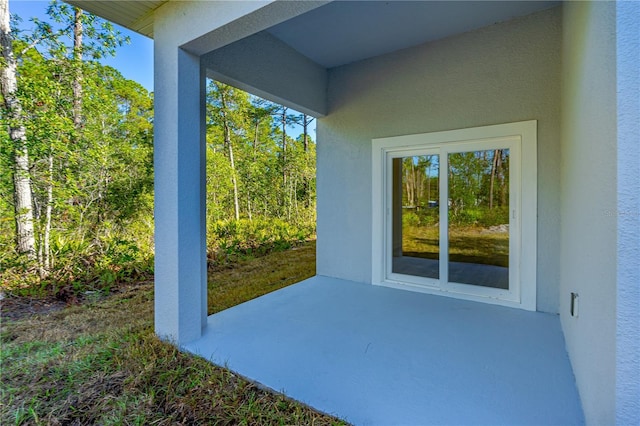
(503, 73)
(588, 176)
(628, 301)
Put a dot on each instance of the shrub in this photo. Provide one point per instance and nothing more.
(429, 216)
(230, 238)
(79, 265)
(480, 216)
(410, 218)
(495, 216)
(468, 216)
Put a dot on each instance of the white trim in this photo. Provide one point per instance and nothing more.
(521, 139)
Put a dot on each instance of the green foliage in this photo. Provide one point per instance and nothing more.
(495, 216)
(100, 38)
(80, 266)
(410, 218)
(273, 184)
(275, 174)
(229, 239)
(92, 183)
(18, 275)
(429, 216)
(469, 216)
(480, 216)
(479, 187)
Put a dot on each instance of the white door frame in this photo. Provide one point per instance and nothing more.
(521, 139)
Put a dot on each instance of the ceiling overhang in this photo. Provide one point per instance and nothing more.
(287, 57)
(342, 32)
(134, 15)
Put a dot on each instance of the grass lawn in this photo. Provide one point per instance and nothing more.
(100, 362)
(466, 244)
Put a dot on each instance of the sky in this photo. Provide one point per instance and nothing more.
(134, 61)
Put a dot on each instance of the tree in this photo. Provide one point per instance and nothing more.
(228, 108)
(52, 72)
(259, 114)
(285, 119)
(306, 121)
(23, 203)
(283, 156)
(271, 175)
(77, 65)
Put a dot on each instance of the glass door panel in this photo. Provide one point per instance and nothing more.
(478, 218)
(415, 216)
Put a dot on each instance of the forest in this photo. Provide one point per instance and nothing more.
(76, 154)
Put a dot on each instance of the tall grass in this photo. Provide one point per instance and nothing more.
(100, 363)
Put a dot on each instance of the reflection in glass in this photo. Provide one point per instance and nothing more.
(479, 218)
(415, 216)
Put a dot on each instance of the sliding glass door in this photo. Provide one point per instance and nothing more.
(453, 217)
(454, 213)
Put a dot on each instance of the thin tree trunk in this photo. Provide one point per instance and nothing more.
(227, 142)
(501, 175)
(77, 64)
(305, 140)
(234, 180)
(408, 185)
(255, 138)
(494, 165)
(47, 225)
(255, 155)
(284, 156)
(429, 183)
(420, 184)
(294, 197)
(25, 238)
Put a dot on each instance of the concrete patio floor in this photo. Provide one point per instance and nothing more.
(379, 356)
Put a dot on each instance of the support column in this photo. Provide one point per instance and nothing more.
(628, 214)
(180, 185)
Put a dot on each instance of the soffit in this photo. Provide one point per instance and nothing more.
(342, 32)
(134, 15)
(347, 31)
